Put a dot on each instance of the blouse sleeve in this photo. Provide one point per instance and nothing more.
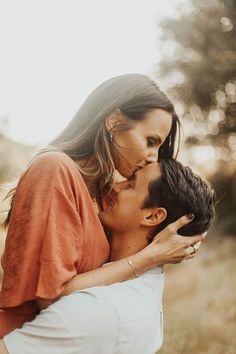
(45, 237)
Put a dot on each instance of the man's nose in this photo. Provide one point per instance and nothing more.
(119, 186)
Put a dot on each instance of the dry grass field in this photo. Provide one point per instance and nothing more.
(200, 301)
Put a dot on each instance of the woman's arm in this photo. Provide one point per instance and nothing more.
(3, 349)
(167, 247)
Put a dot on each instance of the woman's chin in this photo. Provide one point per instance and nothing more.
(129, 172)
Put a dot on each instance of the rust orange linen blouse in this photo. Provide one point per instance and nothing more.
(54, 234)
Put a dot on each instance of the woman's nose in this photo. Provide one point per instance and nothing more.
(153, 156)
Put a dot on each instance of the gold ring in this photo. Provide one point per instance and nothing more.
(194, 249)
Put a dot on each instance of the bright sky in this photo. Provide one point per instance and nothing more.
(55, 52)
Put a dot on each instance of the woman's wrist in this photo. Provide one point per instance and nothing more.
(146, 259)
(117, 271)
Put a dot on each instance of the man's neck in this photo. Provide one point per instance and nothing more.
(126, 244)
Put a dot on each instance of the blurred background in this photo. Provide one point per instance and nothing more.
(54, 52)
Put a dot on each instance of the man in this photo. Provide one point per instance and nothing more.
(123, 317)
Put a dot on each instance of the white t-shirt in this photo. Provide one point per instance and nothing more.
(122, 318)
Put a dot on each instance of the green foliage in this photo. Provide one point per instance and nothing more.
(201, 72)
(199, 69)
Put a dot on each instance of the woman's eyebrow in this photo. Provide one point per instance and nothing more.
(157, 137)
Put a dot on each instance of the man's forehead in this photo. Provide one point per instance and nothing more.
(150, 171)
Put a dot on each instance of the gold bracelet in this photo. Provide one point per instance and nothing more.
(130, 263)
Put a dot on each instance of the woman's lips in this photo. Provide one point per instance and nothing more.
(137, 168)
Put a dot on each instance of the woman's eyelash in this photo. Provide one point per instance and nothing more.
(152, 142)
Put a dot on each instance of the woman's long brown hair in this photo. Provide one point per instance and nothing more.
(86, 135)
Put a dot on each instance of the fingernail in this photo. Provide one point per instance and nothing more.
(204, 234)
(190, 216)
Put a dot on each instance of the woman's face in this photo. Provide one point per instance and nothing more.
(138, 146)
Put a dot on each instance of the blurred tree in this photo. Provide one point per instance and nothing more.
(3, 124)
(199, 69)
(13, 155)
(202, 71)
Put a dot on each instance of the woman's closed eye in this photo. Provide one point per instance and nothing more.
(153, 141)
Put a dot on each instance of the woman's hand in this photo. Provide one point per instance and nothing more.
(169, 247)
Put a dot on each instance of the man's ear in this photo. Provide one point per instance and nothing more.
(113, 120)
(153, 216)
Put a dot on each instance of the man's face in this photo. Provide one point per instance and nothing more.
(125, 210)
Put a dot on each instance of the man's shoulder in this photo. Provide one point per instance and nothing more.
(133, 299)
(138, 306)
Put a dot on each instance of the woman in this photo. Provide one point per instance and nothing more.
(54, 231)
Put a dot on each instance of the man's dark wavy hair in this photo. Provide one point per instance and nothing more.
(181, 192)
